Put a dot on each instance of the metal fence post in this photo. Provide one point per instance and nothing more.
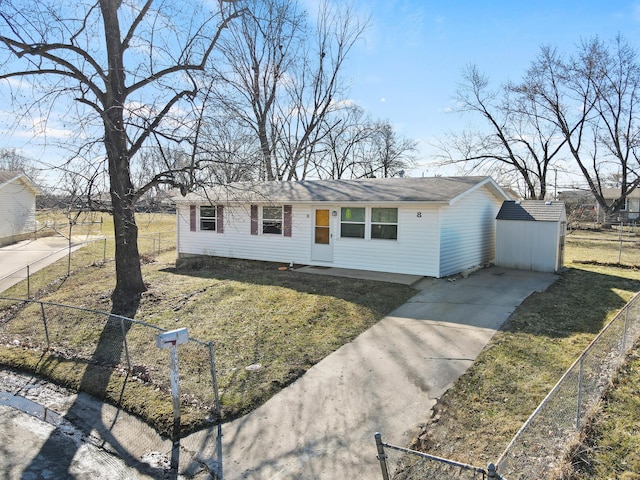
(104, 251)
(382, 457)
(124, 341)
(624, 333)
(580, 374)
(44, 320)
(214, 379)
(212, 366)
(28, 283)
(492, 472)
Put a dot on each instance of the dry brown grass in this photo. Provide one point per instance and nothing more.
(475, 420)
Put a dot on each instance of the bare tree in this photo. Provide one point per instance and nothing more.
(340, 152)
(131, 65)
(519, 147)
(592, 98)
(282, 79)
(13, 161)
(389, 154)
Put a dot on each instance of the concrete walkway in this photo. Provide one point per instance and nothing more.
(38, 254)
(320, 427)
(386, 380)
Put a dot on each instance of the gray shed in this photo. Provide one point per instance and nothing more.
(530, 235)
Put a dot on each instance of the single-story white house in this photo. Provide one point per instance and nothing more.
(631, 210)
(435, 226)
(17, 206)
(530, 235)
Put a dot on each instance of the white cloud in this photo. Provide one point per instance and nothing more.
(382, 100)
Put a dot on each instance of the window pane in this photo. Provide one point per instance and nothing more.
(384, 215)
(272, 213)
(322, 235)
(348, 214)
(389, 232)
(272, 227)
(207, 211)
(207, 224)
(322, 218)
(352, 230)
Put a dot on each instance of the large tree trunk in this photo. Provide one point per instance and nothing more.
(129, 282)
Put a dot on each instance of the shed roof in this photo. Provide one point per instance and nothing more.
(531, 210)
(370, 190)
(8, 176)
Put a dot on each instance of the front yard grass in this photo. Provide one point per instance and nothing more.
(475, 419)
(267, 326)
(279, 323)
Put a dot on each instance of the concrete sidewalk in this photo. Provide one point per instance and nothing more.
(386, 380)
(320, 427)
(38, 254)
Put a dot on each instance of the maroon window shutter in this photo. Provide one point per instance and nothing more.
(220, 219)
(254, 219)
(288, 214)
(192, 218)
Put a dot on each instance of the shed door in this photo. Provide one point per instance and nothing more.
(322, 247)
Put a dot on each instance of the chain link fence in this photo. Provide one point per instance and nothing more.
(116, 359)
(79, 252)
(400, 463)
(542, 444)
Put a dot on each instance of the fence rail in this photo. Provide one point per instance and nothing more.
(85, 252)
(541, 444)
(543, 441)
(443, 467)
(113, 353)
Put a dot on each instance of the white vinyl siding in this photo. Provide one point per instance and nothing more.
(433, 240)
(17, 209)
(237, 241)
(414, 252)
(468, 232)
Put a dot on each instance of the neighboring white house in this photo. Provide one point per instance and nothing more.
(530, 235)
(17, 206)
(434, 226)
(631, 210)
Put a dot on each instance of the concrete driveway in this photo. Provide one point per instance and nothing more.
(37, 254)
(322, 426)
(386, 380)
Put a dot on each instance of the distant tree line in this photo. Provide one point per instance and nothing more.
(575, 112)
(158, 94)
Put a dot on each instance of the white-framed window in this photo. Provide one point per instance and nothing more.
(352, 222)
(384, 223)
(369, 223)
(208, 217)
(272, 220)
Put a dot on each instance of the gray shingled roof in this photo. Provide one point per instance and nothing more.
(531, 210)
(612, 193)
(382, 190)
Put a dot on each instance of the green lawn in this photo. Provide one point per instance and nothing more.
(277, 323)
(474, 420)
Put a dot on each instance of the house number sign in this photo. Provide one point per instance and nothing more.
(419, 215)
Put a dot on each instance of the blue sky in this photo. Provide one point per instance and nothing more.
(407, 67)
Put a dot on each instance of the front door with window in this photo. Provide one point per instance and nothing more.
(322, 238)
